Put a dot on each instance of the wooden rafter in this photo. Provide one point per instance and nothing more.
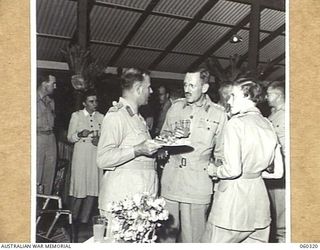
(270, 4)
(133, 31)
(81, 35)
(254, 34)
(182, 34)
(221, 41)
(264, 42)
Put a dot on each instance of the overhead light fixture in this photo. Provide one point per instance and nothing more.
(236, 39)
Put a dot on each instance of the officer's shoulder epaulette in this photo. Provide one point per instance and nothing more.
(116, 107)
(179, 102)
(219, 107)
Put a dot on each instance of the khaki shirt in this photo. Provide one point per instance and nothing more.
(185, 177)
(45, 113)
(126, 174)
(277, 119)
(241, 200)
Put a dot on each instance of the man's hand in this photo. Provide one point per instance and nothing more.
(162, 154)
(147, 148)
(84, 133)
(180, 132)
(212, 170)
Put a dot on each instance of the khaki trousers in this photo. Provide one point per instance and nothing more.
(278, 203)
(214, 234)
(46, 161)
(189, 218)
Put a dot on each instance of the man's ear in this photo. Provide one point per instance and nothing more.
(137, 88)
(205, 88)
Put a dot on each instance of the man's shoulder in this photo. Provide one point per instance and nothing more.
(179, 103)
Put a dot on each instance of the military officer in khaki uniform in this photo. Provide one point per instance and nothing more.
(241, 211)
(276, 188)
(125, 150)
(185, 183)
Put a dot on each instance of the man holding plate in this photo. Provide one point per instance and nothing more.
(185, 183)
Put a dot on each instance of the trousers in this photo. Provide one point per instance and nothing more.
(278, 202)
(214, 234)
(187, 218)
(46, 161)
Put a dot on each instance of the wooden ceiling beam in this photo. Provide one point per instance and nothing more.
(254, 34)
(221, 41)
(133, 31)
(264, 42)
(270, 4)
(81, 35)
(184, 32)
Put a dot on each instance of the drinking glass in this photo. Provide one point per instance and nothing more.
(99, 227)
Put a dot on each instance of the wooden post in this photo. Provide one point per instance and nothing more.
(83, 23)
(253, 56)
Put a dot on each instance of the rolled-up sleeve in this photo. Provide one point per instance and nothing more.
(109, 152)
(232, 166)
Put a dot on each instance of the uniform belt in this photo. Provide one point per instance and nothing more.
(139, 165)
(250, 176)
(46, 132)
(183, 162)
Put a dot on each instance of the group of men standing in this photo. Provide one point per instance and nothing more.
(126, 153)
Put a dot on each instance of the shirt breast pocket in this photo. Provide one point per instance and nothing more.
(207, 129)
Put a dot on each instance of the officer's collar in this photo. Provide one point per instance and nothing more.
(247, 111)
(127, 106)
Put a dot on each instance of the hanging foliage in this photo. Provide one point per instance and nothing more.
(84, 70)
(237, 69)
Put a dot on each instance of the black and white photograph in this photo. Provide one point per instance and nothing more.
(161, 121)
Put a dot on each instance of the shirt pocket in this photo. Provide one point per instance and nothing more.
(207, 129)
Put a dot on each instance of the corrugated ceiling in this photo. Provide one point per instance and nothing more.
(157, 32)
(57, 17)
(187, 8)
(138, 4)
(112, 21)
(227, 12)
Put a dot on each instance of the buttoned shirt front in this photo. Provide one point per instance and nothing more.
(45, 113)
(185, 177)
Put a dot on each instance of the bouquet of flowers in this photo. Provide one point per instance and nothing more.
(136, 219)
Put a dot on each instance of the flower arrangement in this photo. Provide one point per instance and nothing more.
(136, 219)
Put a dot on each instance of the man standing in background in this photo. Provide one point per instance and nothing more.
(46, 141)
(276, 100)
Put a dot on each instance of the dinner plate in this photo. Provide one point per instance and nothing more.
(177, 143)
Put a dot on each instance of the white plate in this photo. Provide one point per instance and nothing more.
(177, 143)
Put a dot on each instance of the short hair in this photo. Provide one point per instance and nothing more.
(204, 74)
(251, 89)
(42, 78)
(225, 84)
(279, 86)
(132, 75)
(89, 92)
